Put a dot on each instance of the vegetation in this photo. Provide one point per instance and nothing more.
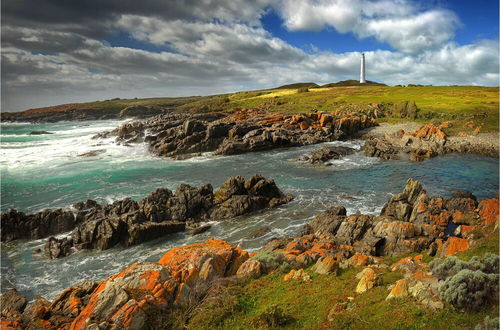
(468, 108)
(329, 301)
(470, 290)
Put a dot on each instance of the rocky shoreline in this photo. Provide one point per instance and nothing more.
(418, 142)
(144, 295)
(183, 136)
(128, 222)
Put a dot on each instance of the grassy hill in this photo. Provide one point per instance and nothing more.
(306, 305)
(458, 104)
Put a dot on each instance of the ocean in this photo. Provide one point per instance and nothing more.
(48, 171)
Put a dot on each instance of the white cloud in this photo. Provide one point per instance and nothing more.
(396, 22)
(47, 66)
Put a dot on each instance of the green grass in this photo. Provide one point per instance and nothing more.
(308, 304)
(444, 103)
(457, 104)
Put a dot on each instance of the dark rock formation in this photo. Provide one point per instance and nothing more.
(128, 222)
(92, 153)
(16, 224)
(327, 153)
(39, 133)
(57, 248)
(184, 135)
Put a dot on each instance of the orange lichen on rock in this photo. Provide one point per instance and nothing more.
(454, 245)
(399, 290)
(359, 260)
(489, 211)
(298, 275)
(183, 259)
(429, 131)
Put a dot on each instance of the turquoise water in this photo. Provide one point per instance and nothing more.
(46, 171)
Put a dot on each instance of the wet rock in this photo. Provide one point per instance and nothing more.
(16, 224)
(12, 303)
(92, 153)
(57, 248)
(259, 232)
(127, 222)
(326, 154)
(148, 231)
(196, 229)
(39, 133)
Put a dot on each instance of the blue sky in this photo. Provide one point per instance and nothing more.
(479, 21)
(74, 51)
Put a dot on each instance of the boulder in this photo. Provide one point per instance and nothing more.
(399, 290)
(12, 303)
(367, 280)
(250, 269)
(326, 154)
(57, 248)
(326, 265)
(17, 225)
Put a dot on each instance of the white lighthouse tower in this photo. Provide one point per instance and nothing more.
(362, 72)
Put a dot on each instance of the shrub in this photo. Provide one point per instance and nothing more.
(469, 290)
(488, 324)
(273, 317)
(444, 268)
(303, 90)
(272, 260)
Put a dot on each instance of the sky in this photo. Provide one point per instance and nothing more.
(59, 51)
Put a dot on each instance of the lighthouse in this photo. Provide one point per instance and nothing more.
(362, 72)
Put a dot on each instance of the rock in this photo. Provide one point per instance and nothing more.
(454, 245)
(297, 275)
(426, 142)
(327, 265)
(326, 154)
(367, 280)
(92, 153)
(489, 211)
(16, 224)
(250, 269)
(204, 261)
(406, 109)
(57, 248)
(326, 222)
(127, 222)
(12, 303)
(232, 186)
(196, 230)
(259, 232)
(148, 231)
(39, 133)
(399, 290)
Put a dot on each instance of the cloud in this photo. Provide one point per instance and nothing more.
(54, 58)
(396, 22)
